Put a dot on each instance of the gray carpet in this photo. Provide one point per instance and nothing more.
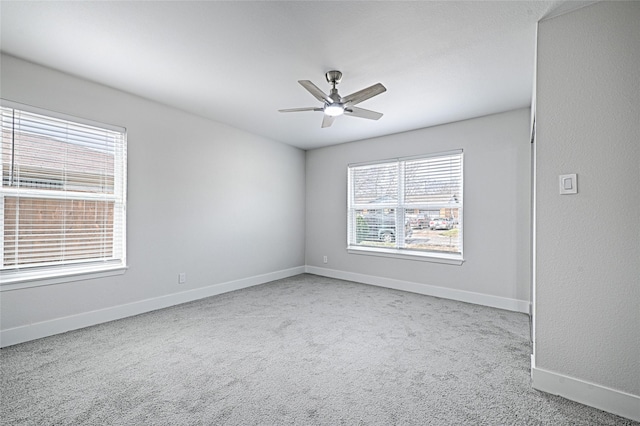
(306, 350)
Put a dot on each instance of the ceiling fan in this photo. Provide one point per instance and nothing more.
(335, 105)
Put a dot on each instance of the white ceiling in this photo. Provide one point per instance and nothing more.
(239, 62)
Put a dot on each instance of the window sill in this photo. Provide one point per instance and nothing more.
(449, 259)
(42, 278)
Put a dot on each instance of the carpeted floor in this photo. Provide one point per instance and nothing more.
(306, 350)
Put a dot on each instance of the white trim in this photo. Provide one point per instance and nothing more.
(38, 330)
(63, 275)
(412, 157)
(7, 103)
(533, 229)
(53, 194)
(449, 259)
(426, 289)
(591, 394)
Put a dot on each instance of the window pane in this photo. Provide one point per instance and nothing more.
(434, 230)
(375, 227)
(433, 180)
(375, 184)
(46, 153)
(38, 231)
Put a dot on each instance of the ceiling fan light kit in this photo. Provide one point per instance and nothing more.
(334, 110)
(334, 105)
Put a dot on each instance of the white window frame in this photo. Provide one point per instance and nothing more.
(12, 278)
(399, 207)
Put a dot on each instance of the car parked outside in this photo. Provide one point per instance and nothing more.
(419, 221)
(439, 223)
(381, 227)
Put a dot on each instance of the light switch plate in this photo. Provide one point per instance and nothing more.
(568, 184)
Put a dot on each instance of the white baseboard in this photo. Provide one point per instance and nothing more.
(13, 336)
(600, 397)
(428, 290)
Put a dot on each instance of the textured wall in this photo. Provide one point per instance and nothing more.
(203, 198)
(587, 290)
(497, 155)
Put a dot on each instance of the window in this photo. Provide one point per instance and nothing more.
(407, 207)
(63, 196)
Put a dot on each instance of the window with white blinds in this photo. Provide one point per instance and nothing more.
(408, 206)
(63, 195)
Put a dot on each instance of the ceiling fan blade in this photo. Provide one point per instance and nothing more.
(315, 91)
(364, 94)
(362, 113)
(327, 121)
(300, 109)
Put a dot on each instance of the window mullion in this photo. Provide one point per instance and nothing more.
(2, 229)
(400, 228)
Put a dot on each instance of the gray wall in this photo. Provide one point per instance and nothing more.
(587, 290)
(203, 198)
(497, 169)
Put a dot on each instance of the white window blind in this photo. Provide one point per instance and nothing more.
(409, 206)
(63, 196)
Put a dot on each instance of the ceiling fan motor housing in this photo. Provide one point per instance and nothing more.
(335, 97)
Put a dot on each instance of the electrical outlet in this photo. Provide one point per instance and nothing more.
(324, 259)
(182, 277)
